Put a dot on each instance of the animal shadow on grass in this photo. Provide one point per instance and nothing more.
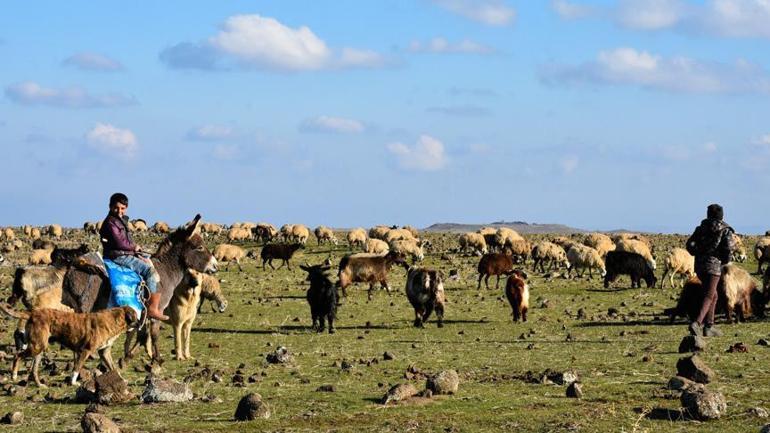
(611, 290)
(651, 322)
(285, 297)
(662, 414)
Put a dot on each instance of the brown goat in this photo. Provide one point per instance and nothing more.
(368, 268)
(494, 264)
(517, 292)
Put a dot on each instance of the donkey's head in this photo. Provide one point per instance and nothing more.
(185, 245)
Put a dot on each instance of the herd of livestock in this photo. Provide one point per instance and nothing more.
(62, 278)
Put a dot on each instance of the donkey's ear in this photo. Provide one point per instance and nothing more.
(194, 227)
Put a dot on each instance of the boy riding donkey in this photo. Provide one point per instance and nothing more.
(121, 249)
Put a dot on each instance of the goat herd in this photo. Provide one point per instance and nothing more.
(502, 251)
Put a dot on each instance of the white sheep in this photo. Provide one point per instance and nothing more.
(600, 242)
(473, 242)
(34, 233)
(680, 262)
(407, 247)
(286, 231)
(585, 257)
(9, 234)
(27, 230)
(545, 251)
(762, 252)
(739, 254)
(505, 235)
(378, 232)
(487, 231)
(229, 253)
(161, 228)
(238, 234)
(377, 246)
(140, 225)
(325, 234)
(40, 257)
(636, 246)
(520, 248)
(55, 231)
(211, 228)
(398, 234)
(415, 233)
(300, 233)
(356, 237)
(740, 290)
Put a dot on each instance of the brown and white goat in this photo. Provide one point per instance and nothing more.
(368, 268)
(517, 292)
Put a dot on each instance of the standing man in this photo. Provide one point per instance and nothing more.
(712, 245)
(121, 249)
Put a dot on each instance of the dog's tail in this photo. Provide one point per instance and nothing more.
(13, 313)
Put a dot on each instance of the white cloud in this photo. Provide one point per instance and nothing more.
(762, 142)
(210, 133)
(440, 45)
(569, 10)
(92, 62)
(627, 66)
(569, 164)
(254, 41)
(339, 125)
(650, 14)
(489, 12)
(426, 155)
(113, 141)
(710, 147)
(31, 93)
(726, 18)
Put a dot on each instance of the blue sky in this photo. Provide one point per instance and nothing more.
(595, 114)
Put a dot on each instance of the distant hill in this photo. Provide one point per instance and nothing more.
(519, 226)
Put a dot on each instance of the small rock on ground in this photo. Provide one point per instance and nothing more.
(97, 423)
(399, 392)
(162, 391)
(281, 355)
(703, 404)
(694, 368)
(252, 407)
(445, 382)
(692, 343)
(12, 418)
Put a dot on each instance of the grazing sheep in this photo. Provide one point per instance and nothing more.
(229, 253)
(140, 225)
(487, 231)
(43, 244)
(415, 233)
(632, 264)
(473, 242)
(548, 252)
(520, 250)
(9, 234)
(585, 257)
(40, 257)
(367, 268)
(600, 242)
(494, 264)
(517, 292)
(741, 293)
(324, 234)
(90, 228)
(678, 261)
(408, 248)
(633, 237)
(377, 246)
(27, 230)
(238, 234)
(636, 246)
(505, 235)
(300, 233)
(762, 252)
(285, 232)
(182, 310)
(161, 228)
(278, 251)
(564, 242)
(490, 239)
(398, 234)
(425, 291)
(322, 297)
(34, 233)
(211, 290)
(265, 232)
(211, 228)
(357, 237)
(739, 254)
(379, 232)
(55, 230)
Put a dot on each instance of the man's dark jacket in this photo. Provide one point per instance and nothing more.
(712, 245)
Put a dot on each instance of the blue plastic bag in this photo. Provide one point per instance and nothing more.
(125, 287)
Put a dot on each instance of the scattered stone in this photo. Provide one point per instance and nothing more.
(758, 412)
(112, 389)
(445, 382)
(280, 356)
(581, 314)
(162, 391)
(326, 388)
(346, 365)
(98, 423)
(612, 312)
(388, 356)
(692, 343)
(694, 368)
(575, 390)
(12, 418)
(678, 383)
(738, 348)
(252, 407)
(763, 342)
(765, 429)
(399, 392)
(95, 408)
(703, 404)
(211, 398)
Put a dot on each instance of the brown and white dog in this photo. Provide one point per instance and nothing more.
(83, 333)
(183, 309)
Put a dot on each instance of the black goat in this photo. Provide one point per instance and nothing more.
(322, 297)
(632, 264)
(278, 251)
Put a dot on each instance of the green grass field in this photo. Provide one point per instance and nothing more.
(623, 361)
